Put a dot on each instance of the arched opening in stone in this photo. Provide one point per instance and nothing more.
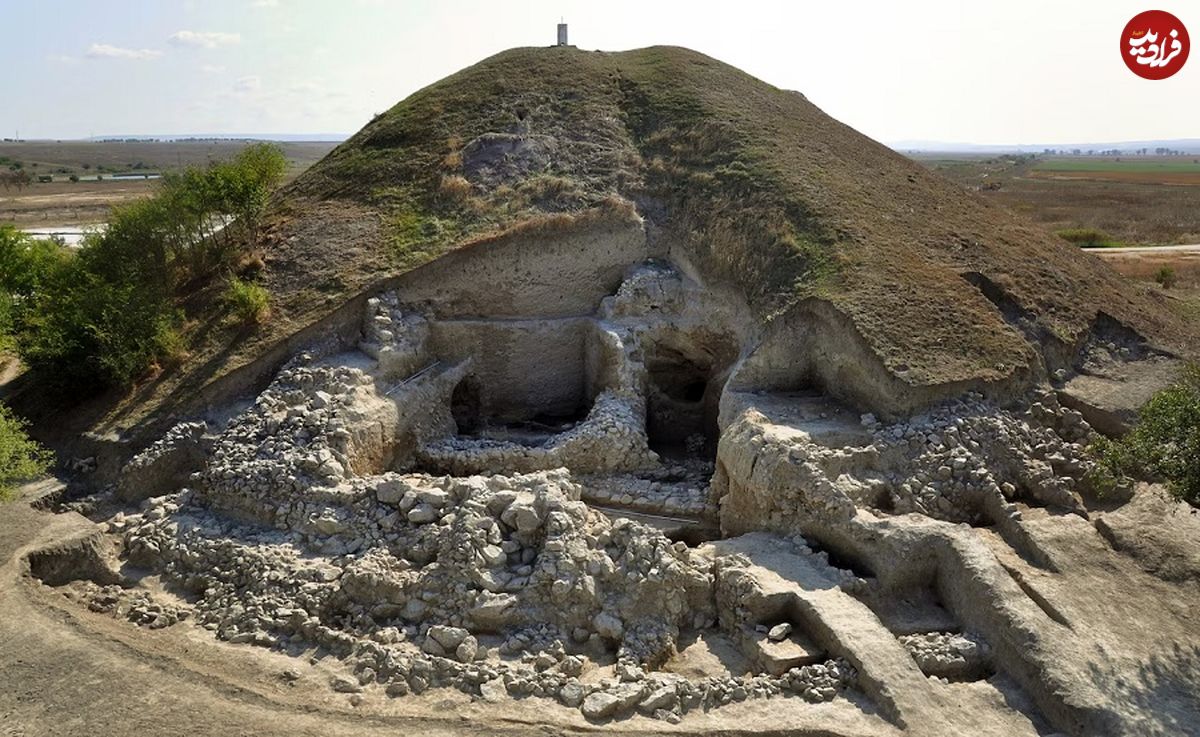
(684, 379)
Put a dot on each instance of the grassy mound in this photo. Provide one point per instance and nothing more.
(758, 187)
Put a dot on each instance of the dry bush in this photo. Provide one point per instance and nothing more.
(455, 188)
(453, 160)
(550, 192)
(251, 265)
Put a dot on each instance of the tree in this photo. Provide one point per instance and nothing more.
(103, 315)
(20, 179)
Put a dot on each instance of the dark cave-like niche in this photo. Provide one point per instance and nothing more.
(684, 377)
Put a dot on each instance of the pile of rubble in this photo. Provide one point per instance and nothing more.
(675, 490)
(946, 461)
(136, 605)
(964, 461)
(949, 655)
(423, 581)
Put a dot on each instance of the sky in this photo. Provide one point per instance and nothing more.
(1020, 71)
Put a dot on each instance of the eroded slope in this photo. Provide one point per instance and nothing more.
(753, 185)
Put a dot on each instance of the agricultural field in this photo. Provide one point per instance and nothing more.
(1173, 170)
(1101, 201)
(89, 178)
(1131, 201)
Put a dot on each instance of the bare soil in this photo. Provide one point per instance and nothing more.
(88, 201)
(69, 203)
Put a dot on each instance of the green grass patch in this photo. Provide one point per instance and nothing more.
(419, 236)
(1152, 166)
(1088, 238)
(249, 303)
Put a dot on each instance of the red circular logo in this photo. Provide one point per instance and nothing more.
(1154, 44)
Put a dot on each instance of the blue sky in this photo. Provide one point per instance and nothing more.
(1019, 71)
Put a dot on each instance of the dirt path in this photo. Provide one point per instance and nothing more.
(1146, 250)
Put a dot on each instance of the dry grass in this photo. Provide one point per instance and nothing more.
(1146, 266)
(1134, 177)
(453, 159)
(1135, 208)
(455, 188)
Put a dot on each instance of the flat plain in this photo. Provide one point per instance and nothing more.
(1133, 201)
(103, 169)
(1152, 200)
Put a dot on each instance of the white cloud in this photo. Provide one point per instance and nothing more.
(204, 39)
(108, 51)
(212, 68)
(248, 84)
(265, 4)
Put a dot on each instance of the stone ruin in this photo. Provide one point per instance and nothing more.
(572, 508)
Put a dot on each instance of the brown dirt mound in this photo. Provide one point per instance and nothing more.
(753, 184)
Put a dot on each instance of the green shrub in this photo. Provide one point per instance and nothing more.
(1087, 237)
(1165, 443)
(21, 459)
(104, 315)
(1165, 277)
(25, 262)
(88, 332)
(250, 303)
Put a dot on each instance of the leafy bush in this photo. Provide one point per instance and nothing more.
(1087, 237)
(1165, 276)
(21, 459)
(1165, 443)
(201, 216)
(89, 332)
(249, 302)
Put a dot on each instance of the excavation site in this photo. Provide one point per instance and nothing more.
(623, 392)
